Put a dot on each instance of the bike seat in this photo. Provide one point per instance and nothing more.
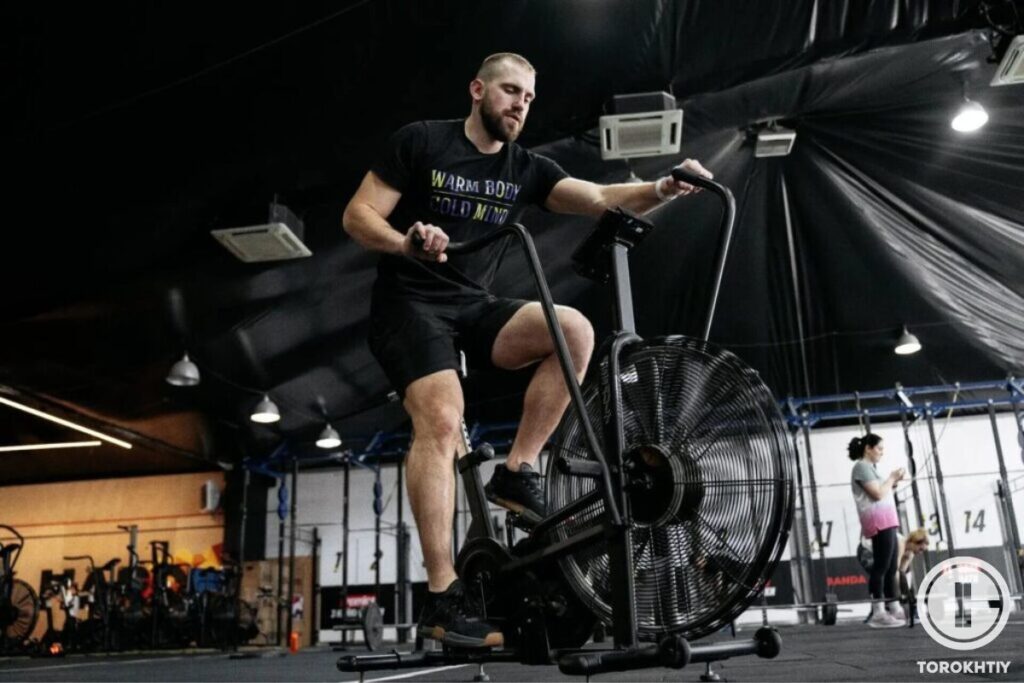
(8, 549)
(616, 226)
(109, 566)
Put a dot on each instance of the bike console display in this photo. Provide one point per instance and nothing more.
(616, 226)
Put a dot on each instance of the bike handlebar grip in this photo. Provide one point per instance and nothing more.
(453, 247)
(682, 175)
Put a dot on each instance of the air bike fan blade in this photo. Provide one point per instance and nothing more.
(708, 449)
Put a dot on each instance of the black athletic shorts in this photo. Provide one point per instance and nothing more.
(412, 338)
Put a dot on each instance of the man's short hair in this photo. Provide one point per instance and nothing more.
(494, 65)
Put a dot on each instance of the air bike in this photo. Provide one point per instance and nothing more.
(670, 486)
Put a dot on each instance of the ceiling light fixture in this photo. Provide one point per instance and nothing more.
(65, 423)
(266, 411)
(907, 343)
(970, 117)
(774, 141)
(328, 438)
(184, 373)
(47, 446)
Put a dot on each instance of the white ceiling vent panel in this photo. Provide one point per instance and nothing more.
(256, 243)
(1011, 68)
(279, 239)
(647, 134)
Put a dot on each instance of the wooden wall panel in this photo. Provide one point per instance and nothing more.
(81, 518)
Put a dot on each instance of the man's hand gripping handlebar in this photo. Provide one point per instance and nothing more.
(426, 242)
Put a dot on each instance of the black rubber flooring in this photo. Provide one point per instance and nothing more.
(845, 652)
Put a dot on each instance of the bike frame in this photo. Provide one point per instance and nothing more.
(614, 530)
(627, 654)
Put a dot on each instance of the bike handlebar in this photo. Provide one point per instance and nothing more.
(12, 555)
(725, 235)
(21, 539)
(467, 247)
(682, 175)
(92, 563)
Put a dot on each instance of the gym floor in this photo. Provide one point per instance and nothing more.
(848, 651)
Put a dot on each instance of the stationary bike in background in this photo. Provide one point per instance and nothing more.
(129, 617)
(100, 593)
(19, 605)
(170, 623)
(670, 490)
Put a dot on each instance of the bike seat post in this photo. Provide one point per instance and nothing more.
(622, 289)
(481, 524)
(604, 256)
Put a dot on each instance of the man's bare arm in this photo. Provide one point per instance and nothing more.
(366, 220)
(572, 195)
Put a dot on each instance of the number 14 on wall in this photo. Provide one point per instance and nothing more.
(972, 520)
(979, 520)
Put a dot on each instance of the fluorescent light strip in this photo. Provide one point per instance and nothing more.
(65, 423)
(45, 446)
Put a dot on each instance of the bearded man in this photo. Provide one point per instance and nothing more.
(458, 180)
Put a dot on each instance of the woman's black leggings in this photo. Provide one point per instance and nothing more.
(884, 546)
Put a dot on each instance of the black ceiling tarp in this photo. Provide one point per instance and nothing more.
(881, 196)
(135, 133)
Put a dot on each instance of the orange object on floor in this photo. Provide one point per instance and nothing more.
(293, 641)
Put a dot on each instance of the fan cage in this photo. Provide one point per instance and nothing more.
(699, 416)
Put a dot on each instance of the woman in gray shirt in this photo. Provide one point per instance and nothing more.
(877, 511)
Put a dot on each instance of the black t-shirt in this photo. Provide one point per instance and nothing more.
(445, 180)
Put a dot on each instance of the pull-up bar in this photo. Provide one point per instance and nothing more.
(797, 410)
(899, 401)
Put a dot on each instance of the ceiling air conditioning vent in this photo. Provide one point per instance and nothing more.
(774, 142)
(279, 239)
(1011, 68)
(646, 134)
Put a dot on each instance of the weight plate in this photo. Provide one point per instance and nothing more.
(829, 613)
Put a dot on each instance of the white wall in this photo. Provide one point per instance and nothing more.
(965, 448)
(967, 454)
(320, 504)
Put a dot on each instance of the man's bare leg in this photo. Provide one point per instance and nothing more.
(525, 339)
(435, 404)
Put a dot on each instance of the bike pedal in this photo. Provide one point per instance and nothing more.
(525, 520)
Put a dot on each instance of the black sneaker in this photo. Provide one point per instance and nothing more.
(454, 619)
(517, 491)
